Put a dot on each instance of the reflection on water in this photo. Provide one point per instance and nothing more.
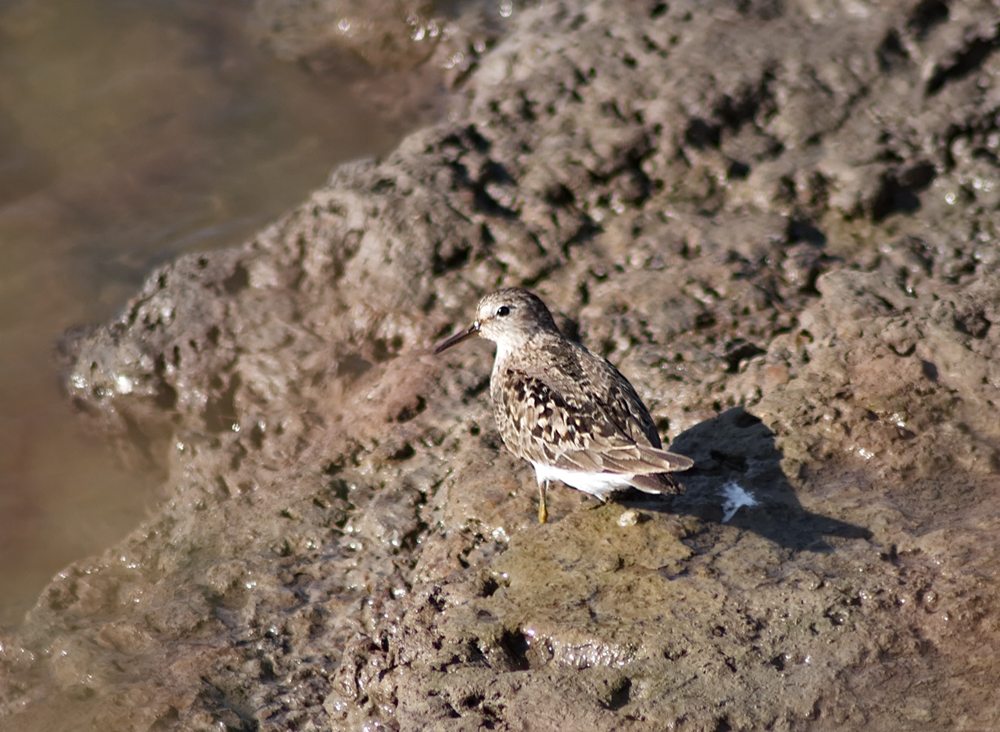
(129, 132)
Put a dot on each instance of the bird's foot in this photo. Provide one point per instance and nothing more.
(543, 511)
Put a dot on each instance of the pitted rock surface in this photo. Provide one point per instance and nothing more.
(777, 219)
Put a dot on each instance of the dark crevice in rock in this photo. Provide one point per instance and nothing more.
(237, 281)
(739, 351)
(898, 191)
(802, 230)
(926, 15)
(964, 62)
(516, 646)
(450, 254)
(618, 695)
(891, 53)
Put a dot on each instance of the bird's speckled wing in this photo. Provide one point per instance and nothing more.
(574, 411)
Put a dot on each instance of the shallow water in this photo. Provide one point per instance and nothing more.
(130, 132)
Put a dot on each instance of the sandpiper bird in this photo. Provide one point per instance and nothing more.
(572, 415)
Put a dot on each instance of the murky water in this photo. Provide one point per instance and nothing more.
(129, 132)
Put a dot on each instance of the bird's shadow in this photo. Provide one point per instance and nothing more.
(735, 455)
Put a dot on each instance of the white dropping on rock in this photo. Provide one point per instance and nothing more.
(736, 498)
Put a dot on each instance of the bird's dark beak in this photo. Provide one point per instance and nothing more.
(458, 338)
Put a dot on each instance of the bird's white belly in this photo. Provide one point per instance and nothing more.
(596, 484)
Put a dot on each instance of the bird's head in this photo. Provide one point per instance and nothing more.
(508, 317)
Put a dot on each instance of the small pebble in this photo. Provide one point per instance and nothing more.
(628, 518)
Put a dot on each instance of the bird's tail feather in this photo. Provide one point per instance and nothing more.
(656, 483)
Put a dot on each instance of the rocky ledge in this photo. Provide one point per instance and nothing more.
(778, 218)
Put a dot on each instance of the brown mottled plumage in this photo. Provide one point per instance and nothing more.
(569, 413)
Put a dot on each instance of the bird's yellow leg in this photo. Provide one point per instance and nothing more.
(543, 513)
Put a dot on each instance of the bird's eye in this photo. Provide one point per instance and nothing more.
(503, 311)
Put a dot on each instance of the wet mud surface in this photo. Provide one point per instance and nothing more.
(777, 220)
